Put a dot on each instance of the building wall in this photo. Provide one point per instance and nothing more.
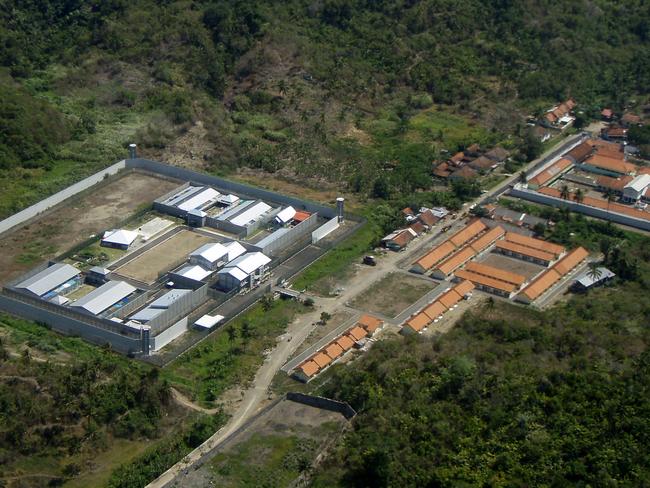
(169, 334)
(533, 196)
(183, 306)
(71, 326)
(291, 237)
(51, 201)
(325, 229)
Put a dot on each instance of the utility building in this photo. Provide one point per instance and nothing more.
(246, 271)
(110, 295)
(215, 255)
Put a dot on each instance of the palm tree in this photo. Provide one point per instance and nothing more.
(594, 271)
(564, 192)
(610, 196)
(579, 195)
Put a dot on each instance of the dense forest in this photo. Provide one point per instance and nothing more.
(509, 397)
(341, 91)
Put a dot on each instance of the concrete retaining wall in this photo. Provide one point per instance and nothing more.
(70, 326)
(599, 213)
(169, 334)
(321, 402)
(51, 201)
(325, 229)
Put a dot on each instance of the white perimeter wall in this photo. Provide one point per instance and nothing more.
(325, 229)
(169, 334)
(59, 197)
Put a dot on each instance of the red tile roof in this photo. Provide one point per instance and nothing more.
(570, 261)
(301, 216)
(369, 322)
(541, 284)
(357, 333)
(309, 368)
(486, 281)
(496, 273)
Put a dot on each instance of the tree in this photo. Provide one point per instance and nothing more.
(564, 192)
(579, 195)
(381, 189)
(610, 196)
(324, 317)
(594, 271)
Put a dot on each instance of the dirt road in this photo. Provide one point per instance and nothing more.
(300, 329)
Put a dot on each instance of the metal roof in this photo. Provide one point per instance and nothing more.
(211, 252)
(235, 210)
(168, 298)
(200, 199)
(104, 297)
(146, 314)
(228, 199)
(184, 194)
(49, 279)
(235, 249)
(272, 237)
(587, 280)
(99, 270)
(196, 273)
(285, 215)
(120, 236)
(251, 261)
(209, 321)
(639, 183)
(235, 272)
(251, 214)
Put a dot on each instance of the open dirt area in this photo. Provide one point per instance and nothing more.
(268, 448)
(71, 223)
(162, 256)
(513, 265)
(392, 294)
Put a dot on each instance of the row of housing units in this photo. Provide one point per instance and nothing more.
(598, 168)
(338, 348)
(434, 311)
(470, 162)
(455, 256)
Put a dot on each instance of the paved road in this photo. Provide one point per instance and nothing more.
(299, 330)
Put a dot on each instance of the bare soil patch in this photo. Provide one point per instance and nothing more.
(163, 256)
(392, 294)
(74, 222)
(512, 265)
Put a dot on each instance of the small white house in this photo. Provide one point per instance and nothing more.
(119, 238)
(215, 255)
(244, 272)
(635, 189)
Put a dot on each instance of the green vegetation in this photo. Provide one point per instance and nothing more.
(231, 356)
(350, 92)
(165, 454)
(66, 402)
(509, 396)
(285, 457)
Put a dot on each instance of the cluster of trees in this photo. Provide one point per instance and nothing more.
(510, 396)
(59, 409)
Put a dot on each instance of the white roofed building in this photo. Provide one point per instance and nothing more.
(109, 295)
(200, 200)
(216, 255)
(58, 278)
(244, 272)
(119, 238)
(285, 215)
(635, 189)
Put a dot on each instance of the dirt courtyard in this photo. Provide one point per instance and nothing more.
(392, 294)
(75, 221)
(163, 256)
(506, 263)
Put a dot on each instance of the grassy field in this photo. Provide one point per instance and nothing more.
(392, 294)
(232, 355)
(320, 276)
